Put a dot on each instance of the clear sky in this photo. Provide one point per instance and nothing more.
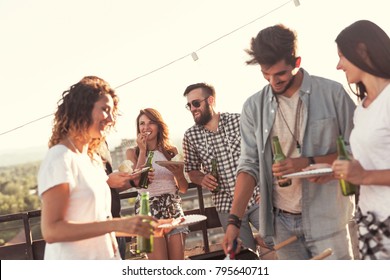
(47, 45)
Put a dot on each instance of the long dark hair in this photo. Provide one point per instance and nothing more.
(366, 46)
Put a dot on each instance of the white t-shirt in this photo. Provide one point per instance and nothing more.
(370, 143)
(89, 201)
(289, 128)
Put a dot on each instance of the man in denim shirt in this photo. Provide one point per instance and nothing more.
(307, 113)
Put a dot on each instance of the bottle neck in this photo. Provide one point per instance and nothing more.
(144, 207)
(277, 148)
(214, 165)
(150, 157)
(341, 151)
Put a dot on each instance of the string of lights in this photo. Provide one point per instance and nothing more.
(192, 54)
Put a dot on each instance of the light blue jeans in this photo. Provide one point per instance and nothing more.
(287, 225)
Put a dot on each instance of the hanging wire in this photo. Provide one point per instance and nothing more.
(151, 72)
(243, 26)
(206, 45)
(169, 63)
(30, 122)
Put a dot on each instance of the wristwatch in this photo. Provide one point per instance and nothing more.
(311, 160)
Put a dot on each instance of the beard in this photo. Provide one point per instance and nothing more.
(289, 84)
(205, 116)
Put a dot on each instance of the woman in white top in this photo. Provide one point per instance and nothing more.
(76, 202)
(165, 202)
(364, 51)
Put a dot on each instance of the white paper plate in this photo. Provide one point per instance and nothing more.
(140, 171)
(310, 173)
(188, 220)
(165, 163)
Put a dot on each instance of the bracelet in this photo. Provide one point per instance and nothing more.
(234, 220)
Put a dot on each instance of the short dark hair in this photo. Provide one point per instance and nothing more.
(209, 89)
(272, 45)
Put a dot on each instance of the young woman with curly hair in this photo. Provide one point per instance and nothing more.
(76, 217)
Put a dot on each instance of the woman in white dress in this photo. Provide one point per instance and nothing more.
(76, 217)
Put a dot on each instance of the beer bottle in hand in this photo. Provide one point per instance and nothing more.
(144, 245)
(143, 181)
(214, 173)
(279, 156)
(346, 187)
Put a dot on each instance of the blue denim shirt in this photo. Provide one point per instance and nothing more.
(328, 112)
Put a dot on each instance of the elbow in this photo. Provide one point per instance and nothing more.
(49, 236)
(49, 241)
(183, 190)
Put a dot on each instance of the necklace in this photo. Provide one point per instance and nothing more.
(296, 124)
(73, 145)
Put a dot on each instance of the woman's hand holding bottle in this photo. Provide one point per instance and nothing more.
(349, 170)
(142, 225)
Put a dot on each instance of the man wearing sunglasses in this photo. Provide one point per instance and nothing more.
(216, 136)
(307, 113)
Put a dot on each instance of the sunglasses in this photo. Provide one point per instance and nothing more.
(195, 103)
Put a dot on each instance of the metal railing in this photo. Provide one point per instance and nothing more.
(34, 249)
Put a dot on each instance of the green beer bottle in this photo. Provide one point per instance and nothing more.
(214, 173)
(346, 187)
(144, 245)
(143, 181)
(279, 156)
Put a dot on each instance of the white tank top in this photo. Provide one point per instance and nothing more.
(164, 181)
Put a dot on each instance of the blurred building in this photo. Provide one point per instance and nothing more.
(119, 153)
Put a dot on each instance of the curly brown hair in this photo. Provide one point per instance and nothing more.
(74, 111)
(163, 141)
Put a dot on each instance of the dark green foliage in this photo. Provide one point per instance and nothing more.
(18, 188)
(18, 193)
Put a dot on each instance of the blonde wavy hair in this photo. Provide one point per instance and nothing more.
(74, 111)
